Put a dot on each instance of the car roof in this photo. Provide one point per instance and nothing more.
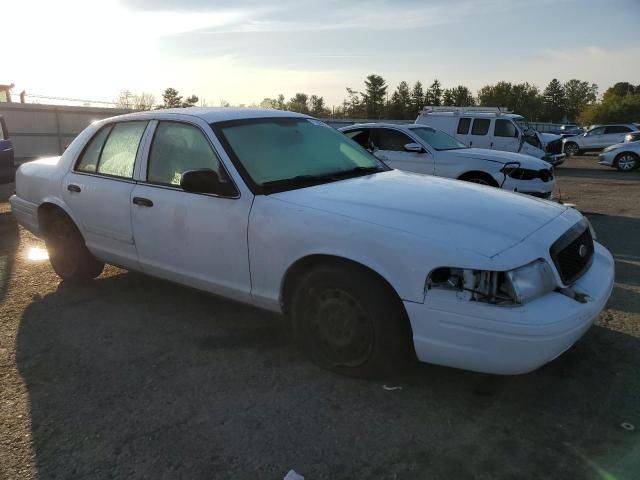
(381, 124)
(216, 114)
(472, 113)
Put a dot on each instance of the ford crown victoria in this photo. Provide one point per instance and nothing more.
(372, 265)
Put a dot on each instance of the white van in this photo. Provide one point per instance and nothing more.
(493, 128)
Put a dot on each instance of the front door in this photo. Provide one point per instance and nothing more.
(389, 147)
(98, 191)
(6, 149)
(505, 136)
(593, 138)
(195, 239)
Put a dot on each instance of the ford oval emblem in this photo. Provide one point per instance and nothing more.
(582, 251)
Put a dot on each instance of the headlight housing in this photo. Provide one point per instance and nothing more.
(514, 287)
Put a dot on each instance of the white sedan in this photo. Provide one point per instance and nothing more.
(422, 149)
(275, 209)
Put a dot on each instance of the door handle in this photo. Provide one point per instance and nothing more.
(491, 145)
(470, 143)
(143, 202)
(74, 188)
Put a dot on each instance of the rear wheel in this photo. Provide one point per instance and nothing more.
(350, 322)
(571, 149)
(627, 161)
(68, 254)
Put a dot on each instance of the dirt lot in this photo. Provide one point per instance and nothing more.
(131, 377)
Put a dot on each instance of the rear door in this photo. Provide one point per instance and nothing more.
(480, 133)
(389, 147)
(98, 191)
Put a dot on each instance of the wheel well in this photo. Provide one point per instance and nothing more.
(626, 153)
(478, 174)
(46, 212)
(304, 265)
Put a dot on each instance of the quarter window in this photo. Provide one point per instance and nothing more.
(89, 161)
(480, 126)
(617, 129)
(177, 148)
(463, 126)
(393, 140)
(505, 128)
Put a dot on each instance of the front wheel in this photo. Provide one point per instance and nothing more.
(627, 161)
(571, 149)
(350, 322)
(68, 254)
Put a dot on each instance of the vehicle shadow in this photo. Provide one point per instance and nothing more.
(131, 377)
(9, 243)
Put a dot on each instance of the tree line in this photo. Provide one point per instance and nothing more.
(572, 101)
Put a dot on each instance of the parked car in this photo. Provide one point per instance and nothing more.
(484, 127)
(6, 147)
(623, 156)
(632, 136)
(278, 210)
(422, 149)
(597, 138)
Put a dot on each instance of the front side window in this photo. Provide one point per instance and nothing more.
(596, 131)
(393, 140)
(480, 126)
(361, 137)
(285, 153)
(505, 128)
(463, 126)
(177, 148)
(437, 139)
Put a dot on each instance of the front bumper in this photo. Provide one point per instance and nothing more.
(555, 159)
(508, 340)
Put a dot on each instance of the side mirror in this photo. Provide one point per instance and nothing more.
(205, 180)
(414, 148)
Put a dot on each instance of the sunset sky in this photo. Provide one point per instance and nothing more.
(245, 50)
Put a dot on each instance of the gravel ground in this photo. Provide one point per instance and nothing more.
(132, 377)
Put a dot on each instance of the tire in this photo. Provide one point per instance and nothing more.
(571, 149)
(68, 254)
(480, 178)
(627, 161)
(350, 322)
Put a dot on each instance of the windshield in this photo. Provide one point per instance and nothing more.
(294, 152)
(437, 139)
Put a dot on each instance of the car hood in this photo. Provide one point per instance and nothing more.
(482, 219)
(526, 161)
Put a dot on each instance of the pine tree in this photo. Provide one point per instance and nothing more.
(555, 101)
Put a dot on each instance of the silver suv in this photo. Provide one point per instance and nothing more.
(598, 138)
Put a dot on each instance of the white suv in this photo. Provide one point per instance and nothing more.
(598, 138)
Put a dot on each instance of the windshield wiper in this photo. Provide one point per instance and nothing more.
(305, 180)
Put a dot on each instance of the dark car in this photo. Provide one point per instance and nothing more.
(6, 146)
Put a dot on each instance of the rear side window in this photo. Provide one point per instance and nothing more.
(505, 128)
(89, 161)
(480, 126)
(393, 140)
(617, 129)
(112, 151)
(176, 148)
(119, 153)
(463, 126)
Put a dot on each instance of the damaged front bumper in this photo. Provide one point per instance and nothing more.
(509, 340)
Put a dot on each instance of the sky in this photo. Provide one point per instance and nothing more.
(245, 50)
